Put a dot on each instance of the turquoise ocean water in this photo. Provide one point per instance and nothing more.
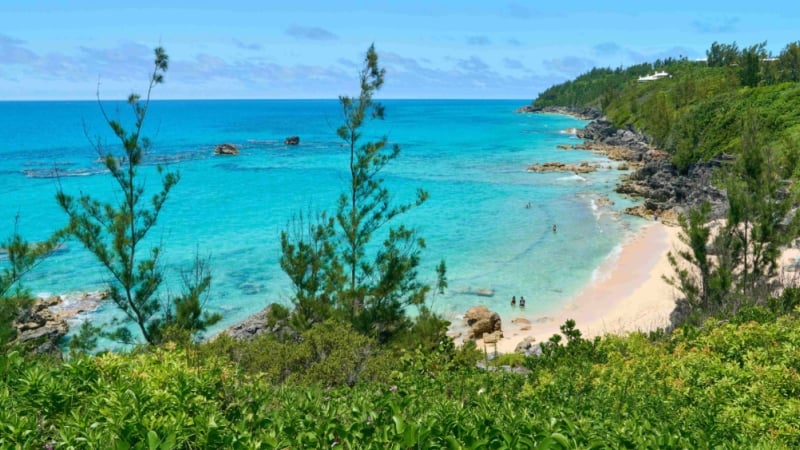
(469, 155)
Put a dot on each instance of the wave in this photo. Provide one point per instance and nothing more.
(48, 163)
(572, 177)
(603, 272)
(56, 172)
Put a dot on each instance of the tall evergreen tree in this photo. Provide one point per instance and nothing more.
(114, 234)
(379, 287)
(750, 62)
(760, 220)
(789, 62)
(373, 289)
(721, 55)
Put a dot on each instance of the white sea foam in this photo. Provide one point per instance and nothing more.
(603, 272)
(572, 177)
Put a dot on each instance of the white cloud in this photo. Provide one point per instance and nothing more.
(311, 33)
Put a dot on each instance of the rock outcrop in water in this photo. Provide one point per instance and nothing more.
(583, 167)
(292, 140)
(581, 113)
(39, 327)
(666, 190)
(226, 149)
(42, 325)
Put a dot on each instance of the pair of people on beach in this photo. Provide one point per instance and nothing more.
(521, 301)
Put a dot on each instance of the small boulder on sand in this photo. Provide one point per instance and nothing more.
(480, 321)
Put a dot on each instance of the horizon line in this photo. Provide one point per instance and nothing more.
(9, 100)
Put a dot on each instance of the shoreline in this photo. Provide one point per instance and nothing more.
(628, 295)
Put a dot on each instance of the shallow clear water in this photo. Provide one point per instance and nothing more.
(469, 155)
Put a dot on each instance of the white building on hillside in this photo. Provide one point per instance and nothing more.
(653, 77)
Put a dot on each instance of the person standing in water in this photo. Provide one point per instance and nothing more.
(522, 301)
(554, 228)
(513, 300)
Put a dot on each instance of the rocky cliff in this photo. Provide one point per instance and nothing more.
(666, 191)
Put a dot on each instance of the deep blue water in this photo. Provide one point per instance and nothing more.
(469, 155)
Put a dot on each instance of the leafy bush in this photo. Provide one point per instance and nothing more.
(733, 385)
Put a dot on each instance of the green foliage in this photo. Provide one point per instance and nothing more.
(85, 340)
(733, 385)
(309, 258)
(17, 258)
(185, 319)
(722, 55)
(577, 350)
(789, 62)
(441, 277)
(750, 60)
(328, 354)
(428, 332)
(702, 279)
(737, 268)
(596, 88)
(378, 288)
(114, 233)
(509, 359)
(695, 113)
(334, 268)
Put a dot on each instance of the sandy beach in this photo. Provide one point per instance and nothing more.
(629, 294)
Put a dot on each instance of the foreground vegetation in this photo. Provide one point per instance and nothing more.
(727, 385)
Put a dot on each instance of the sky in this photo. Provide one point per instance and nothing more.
(297, 49)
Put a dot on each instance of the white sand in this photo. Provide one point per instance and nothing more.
(629, 295)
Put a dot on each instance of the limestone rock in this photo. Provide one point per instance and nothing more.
(525, 345)
(663, 187)
(583, 167)
(251, 327)
(258, 324)
(480, 321)
(226, 149)
(37, 326)
(581, 113)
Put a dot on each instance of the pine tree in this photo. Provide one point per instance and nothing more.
(330, 265)
(114, 234)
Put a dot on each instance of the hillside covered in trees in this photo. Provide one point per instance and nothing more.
(695, 112)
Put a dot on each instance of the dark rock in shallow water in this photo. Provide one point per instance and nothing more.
(663, 187)
(581, 113)
(292, 140)
(226, 149)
